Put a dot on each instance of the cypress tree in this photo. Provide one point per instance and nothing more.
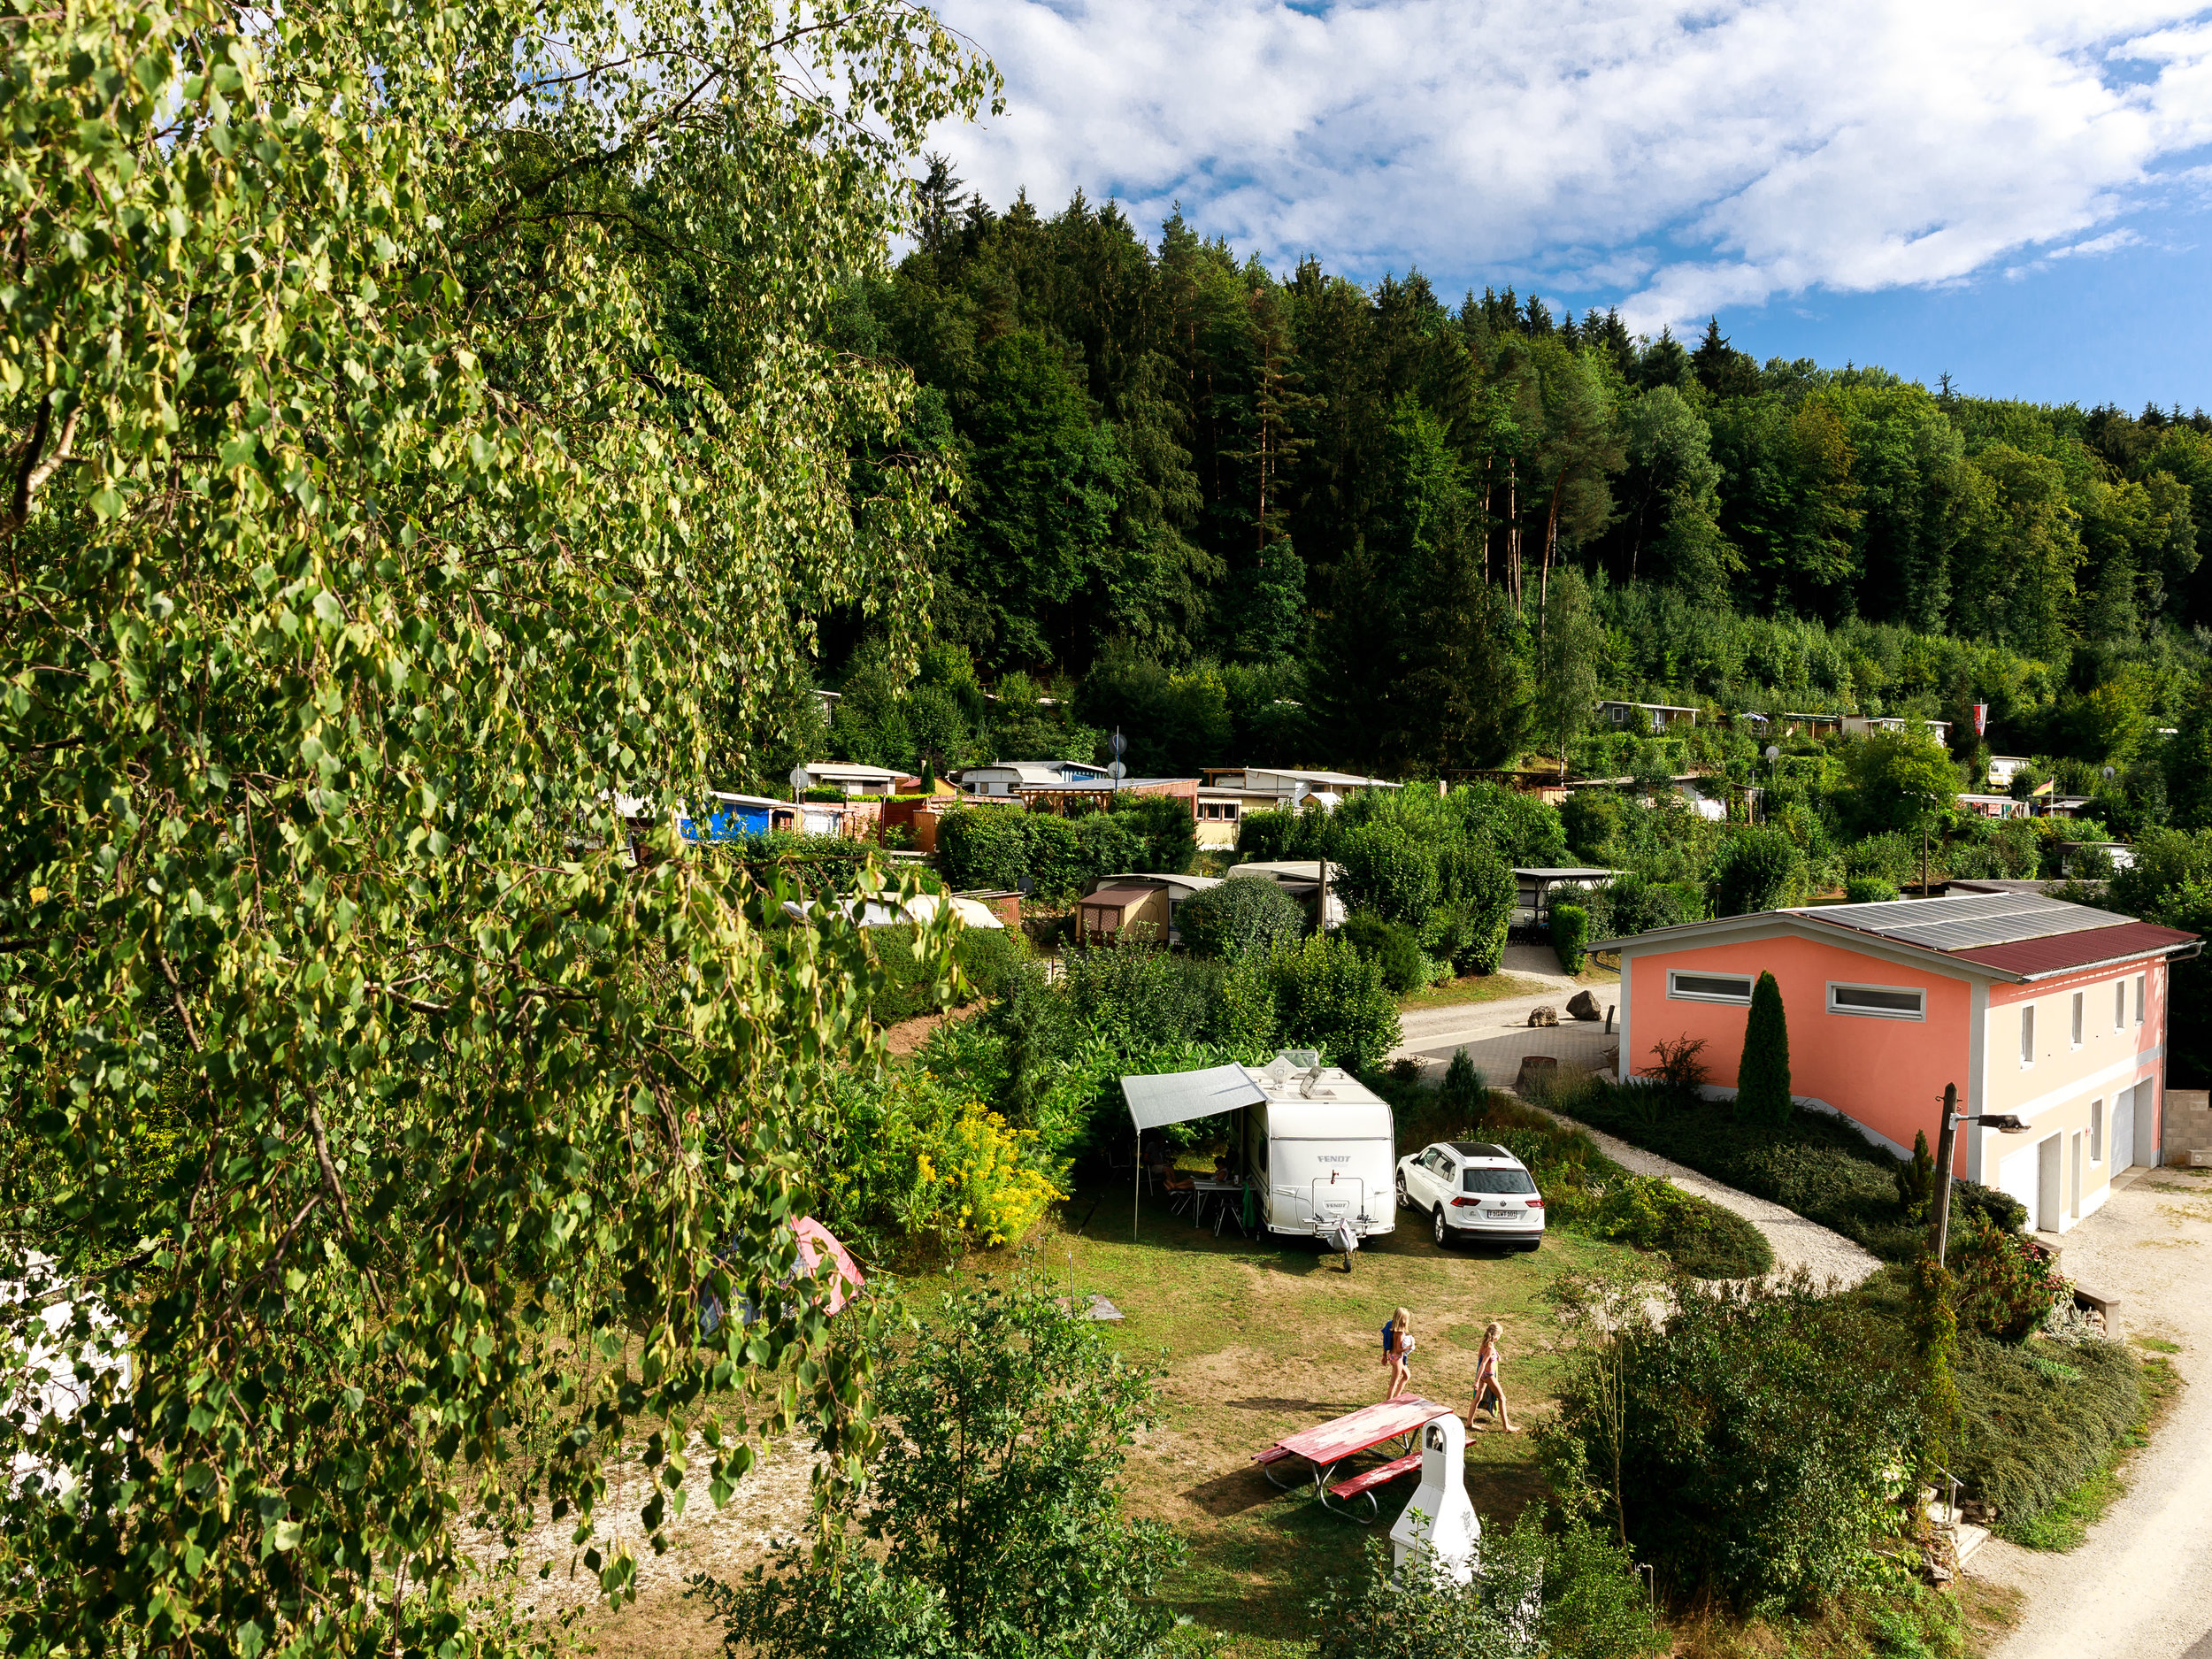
(1763, 1077)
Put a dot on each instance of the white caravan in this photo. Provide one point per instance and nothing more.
(1320, 1148)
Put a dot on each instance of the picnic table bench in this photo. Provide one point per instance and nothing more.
(1328, 1445)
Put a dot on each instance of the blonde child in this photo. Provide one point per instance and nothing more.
(1486, 1389)
(1397, 1336)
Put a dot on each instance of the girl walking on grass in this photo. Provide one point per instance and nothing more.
(1486, 1389)
(1397, 1336)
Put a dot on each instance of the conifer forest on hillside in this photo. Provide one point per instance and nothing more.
(1253, 519)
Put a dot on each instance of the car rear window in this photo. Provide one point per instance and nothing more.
(1495, 1181)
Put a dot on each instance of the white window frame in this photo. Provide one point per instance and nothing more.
(2027, 1036)
(2141, 979)
(2096, 1132)
(2119, 1005)
(1676, 974)
(2080, 1016)
(1919, 1015)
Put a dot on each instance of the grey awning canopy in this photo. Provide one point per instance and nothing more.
(1177, 1097)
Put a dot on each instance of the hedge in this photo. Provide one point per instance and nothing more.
(1242, 917)
(1570, 932)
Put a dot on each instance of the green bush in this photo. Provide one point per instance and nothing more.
(1758, 1434)
(1166, 833)
(1475, 893)
(2037, 1420)
(988, 958)
(1242, 917)
(1649, 1213)
(1004, 846)
(2005, 1283)
(1328, 996)
(1575, 1595)
(1383, 869)
(1868, 890)
(1570, 932)
(1634, 905)
(1762, 1074)
(984, 848)
(1395, 948)
(1756, 870)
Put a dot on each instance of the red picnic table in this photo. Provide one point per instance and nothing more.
(1332, 1443)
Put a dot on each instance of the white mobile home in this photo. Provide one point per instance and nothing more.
(1317, 1148)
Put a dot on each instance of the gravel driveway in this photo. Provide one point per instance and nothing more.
(2137, 1587)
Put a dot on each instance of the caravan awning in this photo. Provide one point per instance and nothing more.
(1177, 1097)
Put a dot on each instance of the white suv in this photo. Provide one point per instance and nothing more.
(1473, 1190)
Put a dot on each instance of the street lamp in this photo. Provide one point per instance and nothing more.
(2003, 1123)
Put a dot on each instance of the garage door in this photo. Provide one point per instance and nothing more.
(2124, 1129)
(2016, 1175)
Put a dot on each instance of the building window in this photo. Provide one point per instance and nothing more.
(2027, 1036)
(1878, 1002)
(1709, 987)
(2080, 999)
(2096, 1132)
(2119, 1004)
(2139, 997)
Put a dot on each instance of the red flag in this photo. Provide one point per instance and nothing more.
(1981, 719)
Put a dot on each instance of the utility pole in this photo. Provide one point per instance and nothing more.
(2004, 1123)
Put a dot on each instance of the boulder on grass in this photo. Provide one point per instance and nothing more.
(1582, 1005)
(1546, 1015)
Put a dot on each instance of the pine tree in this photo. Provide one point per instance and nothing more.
(1763, 1076)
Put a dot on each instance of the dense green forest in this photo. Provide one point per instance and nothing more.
(1250, 518)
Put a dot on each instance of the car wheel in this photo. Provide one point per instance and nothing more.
(1405, 1199)
(1437, 1227)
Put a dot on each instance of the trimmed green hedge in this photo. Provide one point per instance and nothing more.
(1570, 932)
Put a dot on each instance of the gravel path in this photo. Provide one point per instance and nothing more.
(1830, 1257)
(2137, 1587)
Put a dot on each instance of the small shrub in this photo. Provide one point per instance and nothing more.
(1868, 890)
(1679, 1065)
(1393, 947)
(2006, 1283)
(1240, 918)
(1570, 932)
(1328, 996)
(1762, 1074)
(1649, 1213)
(1916, 1180)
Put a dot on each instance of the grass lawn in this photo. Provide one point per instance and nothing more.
(1263, 1338)
(1474, 988)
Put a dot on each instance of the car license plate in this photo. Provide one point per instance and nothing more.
(1500, 1214)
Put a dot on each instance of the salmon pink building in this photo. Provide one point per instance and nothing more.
(2052, 1011)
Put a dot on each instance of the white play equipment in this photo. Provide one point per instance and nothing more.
(1438, 1528)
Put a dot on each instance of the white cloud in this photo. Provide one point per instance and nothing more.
(1684, 157)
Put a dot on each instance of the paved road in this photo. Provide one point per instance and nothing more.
(1497, 1035)
(2137, 1587)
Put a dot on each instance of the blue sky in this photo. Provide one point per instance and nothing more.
(2015, 191)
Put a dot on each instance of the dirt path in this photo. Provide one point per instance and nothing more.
(1827, 1256)
(2136, 1588)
